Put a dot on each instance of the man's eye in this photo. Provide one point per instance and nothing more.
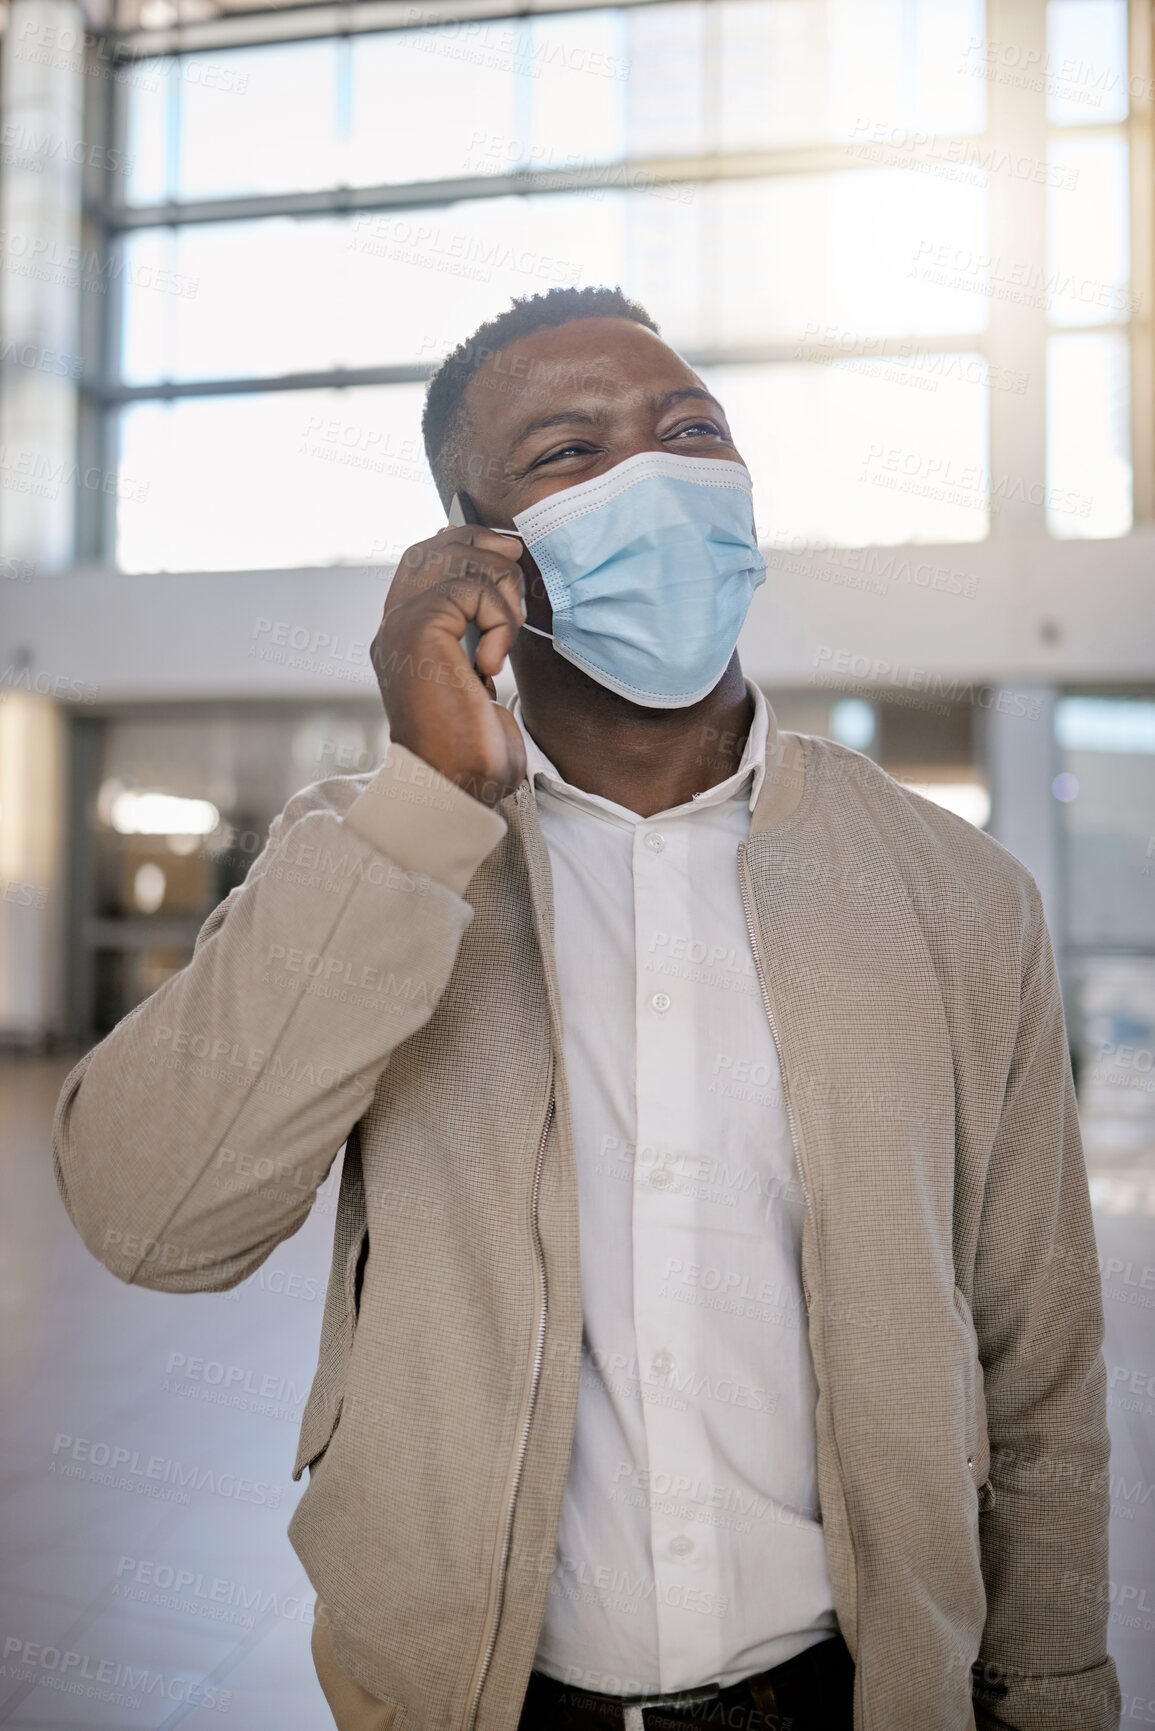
(697, 427)
(565, 451)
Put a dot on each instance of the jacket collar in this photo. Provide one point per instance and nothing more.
(780, 780)
(784, 781)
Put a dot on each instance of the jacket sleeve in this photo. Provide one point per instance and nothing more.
(1038, 1310)
(192, 1140)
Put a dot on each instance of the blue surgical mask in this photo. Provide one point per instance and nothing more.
(650, 569)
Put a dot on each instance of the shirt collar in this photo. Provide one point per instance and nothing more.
(751, 768)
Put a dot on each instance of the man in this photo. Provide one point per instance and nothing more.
(714, 1327)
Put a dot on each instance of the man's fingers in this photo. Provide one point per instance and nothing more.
(495, 540)
(497, 607)
(494, 603)
(460, 557)
(461, 577)
(459, 534)
(478, 535)
(495, 645)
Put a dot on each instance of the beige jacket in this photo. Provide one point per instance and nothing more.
(386, 975)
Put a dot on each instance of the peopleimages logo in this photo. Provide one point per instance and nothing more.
(26, 145)
(169, 1586)
(457, 252)
(126, 1469)
(58, 685)
(887, 674)
(67, 1670)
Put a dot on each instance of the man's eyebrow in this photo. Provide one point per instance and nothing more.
(691, 391)
(563, 418)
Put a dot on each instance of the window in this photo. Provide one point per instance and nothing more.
(801, 191)
(1088, 271)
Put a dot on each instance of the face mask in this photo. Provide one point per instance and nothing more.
(650, 568)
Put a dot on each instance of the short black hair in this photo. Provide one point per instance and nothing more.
(443, 423)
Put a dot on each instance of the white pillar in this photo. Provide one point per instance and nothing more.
(41, 179)
(1016, 211)
(32, 889)
(42, 277)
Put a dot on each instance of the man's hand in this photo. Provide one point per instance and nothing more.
(438, 706)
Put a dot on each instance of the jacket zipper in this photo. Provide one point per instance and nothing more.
(523, 1440)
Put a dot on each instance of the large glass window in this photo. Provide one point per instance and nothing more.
(509, 94)
(280, 478)
(1088, 271)
(1087, 82)
(798, 190)
(747, 262)
(864, 451)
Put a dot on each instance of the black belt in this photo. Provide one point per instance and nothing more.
(814, 1691)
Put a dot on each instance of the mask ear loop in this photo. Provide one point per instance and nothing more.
(515, 536)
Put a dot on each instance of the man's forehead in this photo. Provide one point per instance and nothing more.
(592, 340)
(583, 367)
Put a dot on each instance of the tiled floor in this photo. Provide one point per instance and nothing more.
(128, 1601)
(1121, 1166)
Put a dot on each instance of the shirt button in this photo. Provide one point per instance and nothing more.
(655, 841)
(660, 1002)
(663, 1363)
(681, 1547)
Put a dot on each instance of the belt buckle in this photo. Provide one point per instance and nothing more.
(634, 1712)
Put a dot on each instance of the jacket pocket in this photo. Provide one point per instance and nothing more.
(327, 1396)
(977, 1441)
(349, 1703)
(342, 1301)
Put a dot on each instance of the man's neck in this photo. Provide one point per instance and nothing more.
(645, 760)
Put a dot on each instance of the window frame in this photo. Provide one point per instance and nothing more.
(1016, 337)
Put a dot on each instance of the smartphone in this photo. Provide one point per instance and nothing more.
(463, 510)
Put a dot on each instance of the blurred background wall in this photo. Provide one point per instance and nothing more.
(910, 243)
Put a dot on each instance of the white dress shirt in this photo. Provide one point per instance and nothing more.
(690, 1548)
